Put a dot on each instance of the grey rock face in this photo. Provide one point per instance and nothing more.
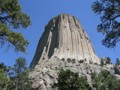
(63, 45)
(45, 74)
(65, 38)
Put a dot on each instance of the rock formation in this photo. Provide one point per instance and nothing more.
(64, 44)
(65, 38)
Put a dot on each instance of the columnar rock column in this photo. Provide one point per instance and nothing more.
(63, 45)
(65, 38)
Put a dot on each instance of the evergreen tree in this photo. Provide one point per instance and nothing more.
(102, 62)
(68, 80)
(117, 66)
(11, 17)
(105, 81)
(108, 60)
(19, 76)
(110, 23)
(117, 61)
(3, 77)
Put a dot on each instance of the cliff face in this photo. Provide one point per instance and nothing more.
(64, 38)
(63, 45)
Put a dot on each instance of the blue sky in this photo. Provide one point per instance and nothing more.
(41, 11)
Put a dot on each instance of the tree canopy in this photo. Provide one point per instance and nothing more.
(117, 61)
(68, 80)
(19, 76)
(12, 17)
(3, 77)
(15, 78)
(105, 81)
(110, 20)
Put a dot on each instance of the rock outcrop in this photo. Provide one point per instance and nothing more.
(65, 38)
(45, 74)
(63, 45)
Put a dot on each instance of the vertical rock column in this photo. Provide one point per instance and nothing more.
(65, 38)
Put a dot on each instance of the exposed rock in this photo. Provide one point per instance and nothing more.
(64, 38)
(117, 76)
(63, 45)
(46, 76)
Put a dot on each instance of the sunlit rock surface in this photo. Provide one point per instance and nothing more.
(65, 38)
(63, 45)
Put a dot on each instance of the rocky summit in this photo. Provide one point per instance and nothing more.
(64, 45)
(65, 38)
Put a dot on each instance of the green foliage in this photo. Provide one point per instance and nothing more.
(73, 60)
(19, 76)
(3, 77)
(110, 24)
(81, 61)
(117, 61)
(117, 65)
(11, 17)
(70, 60)
(105, 81)
(3, 67)
(68, 80)
(108, 60)
(63, 59)
(3, 80)
(102, 62)
(117, 70)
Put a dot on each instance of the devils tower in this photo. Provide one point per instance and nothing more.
(64, 44)
(65, 38)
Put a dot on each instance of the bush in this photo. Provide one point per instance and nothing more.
(73, 60)
(81, 61)
(69, 60)
(102, 63)
(105, 81)
(117, 61)
(68, 80)
(63, 59)
(108, 60)
(117, 70)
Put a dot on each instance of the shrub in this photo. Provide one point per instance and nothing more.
(68, 80)
(105, 81)
(102, 63)
(81, 61)
(73, 60)
(69, 60)
(108, 60)
(63, 59)
(117, 70)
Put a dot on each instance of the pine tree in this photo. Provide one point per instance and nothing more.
(68, 80)
(105, 81)
(117, 61)
(102, 62)
(108, 60)
(11, 17)
(19, 76)
(110, 23)
(3, 77)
